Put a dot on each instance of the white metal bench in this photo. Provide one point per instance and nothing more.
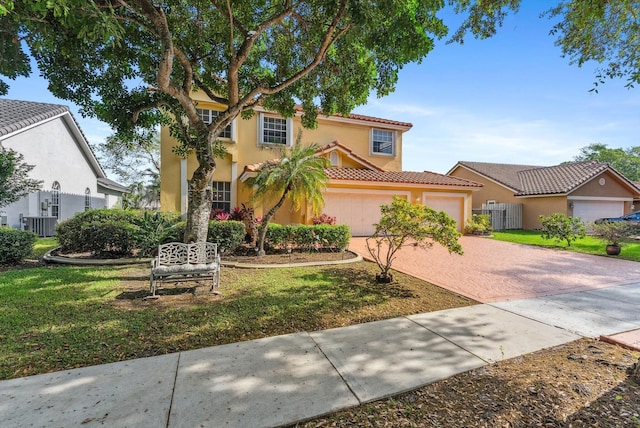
(177, 261)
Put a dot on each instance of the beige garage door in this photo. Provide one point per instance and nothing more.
(452, 205)
(358, 211)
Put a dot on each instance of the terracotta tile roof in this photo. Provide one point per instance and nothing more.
(367, 119)
(15, 114)
(336, 145)
(527, 180)
(559, 179)
(505, 174)
(400, 177)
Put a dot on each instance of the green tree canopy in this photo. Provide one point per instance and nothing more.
(14, 177)
(625, 161)
(135, 64)
(299, 175)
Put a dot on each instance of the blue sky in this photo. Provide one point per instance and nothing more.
(509, 99)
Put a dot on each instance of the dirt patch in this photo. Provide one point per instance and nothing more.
(580, 384)
(249, 256)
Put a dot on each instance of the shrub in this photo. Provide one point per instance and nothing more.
(478, 224)
(561, 228)
(229, 235)
(15, 245)
(612, 233)
(110, 238)
(152, 228)
(305, 237)
(72, 233)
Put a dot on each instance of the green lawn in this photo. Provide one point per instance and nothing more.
(60, 317)
(43, 245)
(587, 245)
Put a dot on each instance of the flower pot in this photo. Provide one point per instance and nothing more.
(613, 250)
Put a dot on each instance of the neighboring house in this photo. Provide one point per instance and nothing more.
(588, 190)
(366, 172)
(49, 138)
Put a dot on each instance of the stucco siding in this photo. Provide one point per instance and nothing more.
(56, 156)
(490, 191)
(611, 188)
(535, 207)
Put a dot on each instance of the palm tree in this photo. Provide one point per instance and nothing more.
(299, 175)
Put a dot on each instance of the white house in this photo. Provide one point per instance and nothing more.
(49, 138)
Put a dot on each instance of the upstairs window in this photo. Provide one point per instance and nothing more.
(275, 130)
(208, 116)
(383, 142)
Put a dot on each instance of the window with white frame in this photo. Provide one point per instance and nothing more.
(55, 200)
(208, 116)
(383, 142)
(87, 199)
(221, 196)
(275, 130)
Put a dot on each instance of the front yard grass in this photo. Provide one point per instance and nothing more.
(56, 318)
(587, 245)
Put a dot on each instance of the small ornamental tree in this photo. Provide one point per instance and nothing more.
(561, 228)
(403, 224)
(14, 177)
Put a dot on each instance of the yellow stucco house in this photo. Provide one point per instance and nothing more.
(366, 168)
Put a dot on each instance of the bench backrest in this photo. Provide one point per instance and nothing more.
(179, 253)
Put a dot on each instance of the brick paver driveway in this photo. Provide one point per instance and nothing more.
(492, 271)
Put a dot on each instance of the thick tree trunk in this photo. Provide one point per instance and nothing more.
(198, 211)
(199, 203)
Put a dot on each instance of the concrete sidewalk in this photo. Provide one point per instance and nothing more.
(285, 379)
(279, 380)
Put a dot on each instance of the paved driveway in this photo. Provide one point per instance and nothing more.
(494, 271)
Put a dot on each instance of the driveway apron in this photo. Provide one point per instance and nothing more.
(491, 271)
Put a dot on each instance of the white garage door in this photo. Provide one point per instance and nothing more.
(590, 210)
(358, 211)
(453, 206)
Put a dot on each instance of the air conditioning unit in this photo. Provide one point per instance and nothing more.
(3, 220)
(42, 226)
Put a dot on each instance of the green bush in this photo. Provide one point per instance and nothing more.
(305, 237)
(152, 229)
(228, 234)
(110, 238)
(15, 245)
(479, 224)
(561, 228)
(72, 233)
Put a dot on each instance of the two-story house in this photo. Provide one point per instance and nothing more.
(50, 139)
(366, 168)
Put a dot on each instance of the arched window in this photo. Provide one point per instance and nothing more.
(55, 200)
(87, 199)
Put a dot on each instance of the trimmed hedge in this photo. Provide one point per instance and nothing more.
(15, 245)
(82, 232)
(306, 237)
(228, 234)
(112, 232)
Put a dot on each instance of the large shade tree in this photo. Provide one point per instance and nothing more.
(136, 63)
(298, 175)
(625, 161)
